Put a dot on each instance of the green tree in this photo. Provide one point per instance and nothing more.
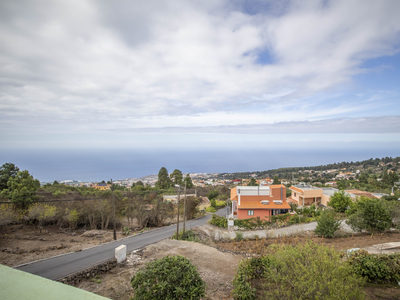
(7, 214)
(327, 224)
(371, 215)
(252, 182)
(392, 178)
(340, 201)
(21, 189)
(176, 177)
(363, 178)
(341, 184)
(213, 203)
(7, 171)
(55, 182)
(170, 277)
(276, 180)
(163, 182)
(133, 185)
(139, 183)
(188, 181)
(42, 212)
(213, 194)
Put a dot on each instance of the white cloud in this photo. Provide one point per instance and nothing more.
(87, 65)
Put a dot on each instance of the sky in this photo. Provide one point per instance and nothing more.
(199, 75)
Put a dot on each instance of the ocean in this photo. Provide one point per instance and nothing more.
(96, 165)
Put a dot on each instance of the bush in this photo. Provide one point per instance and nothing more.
(189, 236)
(219, 221)
(239, 236)
(220, 203)
(212, 194)
(251, 223)
(376, 268)
(211, 209)
(327, 224)
(340, 201)
(371, 216)
(59, 193)
(249, 269)
(308, 271)
(170, 277)
(213, 203)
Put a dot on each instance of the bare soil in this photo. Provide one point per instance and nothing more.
(21, 244)
(216, 262)
(344, 242)
(216, 268)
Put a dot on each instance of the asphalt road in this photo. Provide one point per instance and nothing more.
(61, 266)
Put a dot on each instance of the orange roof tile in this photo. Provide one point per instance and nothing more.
(291, 200)
(259, 205)
(296, 189)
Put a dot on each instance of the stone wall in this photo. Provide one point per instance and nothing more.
(89, 273)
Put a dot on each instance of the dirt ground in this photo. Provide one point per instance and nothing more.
(20, 244)
(216, 263)
(216, 269)
(340, 243)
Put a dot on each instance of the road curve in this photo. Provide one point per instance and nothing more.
(58, 267)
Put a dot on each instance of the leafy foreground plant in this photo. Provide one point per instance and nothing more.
(170, 277)
(309, 271)
(371, 216)
(327, 224)
(378, 268)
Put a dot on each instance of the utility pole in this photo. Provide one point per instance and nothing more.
(177, 223)
(112, 196)
(184, 212)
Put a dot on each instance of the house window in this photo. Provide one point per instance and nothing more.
(294, 194)
(250, 212)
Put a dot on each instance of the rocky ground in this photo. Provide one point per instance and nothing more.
(216, 269)
(216, 261)
(20, 244)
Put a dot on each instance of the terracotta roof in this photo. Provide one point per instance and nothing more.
(291, 200)
(293, 188)
(258, 205)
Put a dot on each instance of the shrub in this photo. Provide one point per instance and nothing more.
(220, 203)
(251, 223)
(213, 203)
(294, 219)
(340, 201)
(327, 224)
(249, 269)
(7, 214)
(72, 217)
(219, 221)
(376, 268)
(371, 216)
(188, 236)
(171, 277)
(212, 194)
(59, 193)
(211, 209)
(308, 271)
(239, 236)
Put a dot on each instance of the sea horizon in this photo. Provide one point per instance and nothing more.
(98, 165)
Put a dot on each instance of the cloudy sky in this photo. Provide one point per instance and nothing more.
(202, 74)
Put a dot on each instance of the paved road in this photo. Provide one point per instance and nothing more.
(61, 266)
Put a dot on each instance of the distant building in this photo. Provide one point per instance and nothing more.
(102, 186)
(258, 201)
